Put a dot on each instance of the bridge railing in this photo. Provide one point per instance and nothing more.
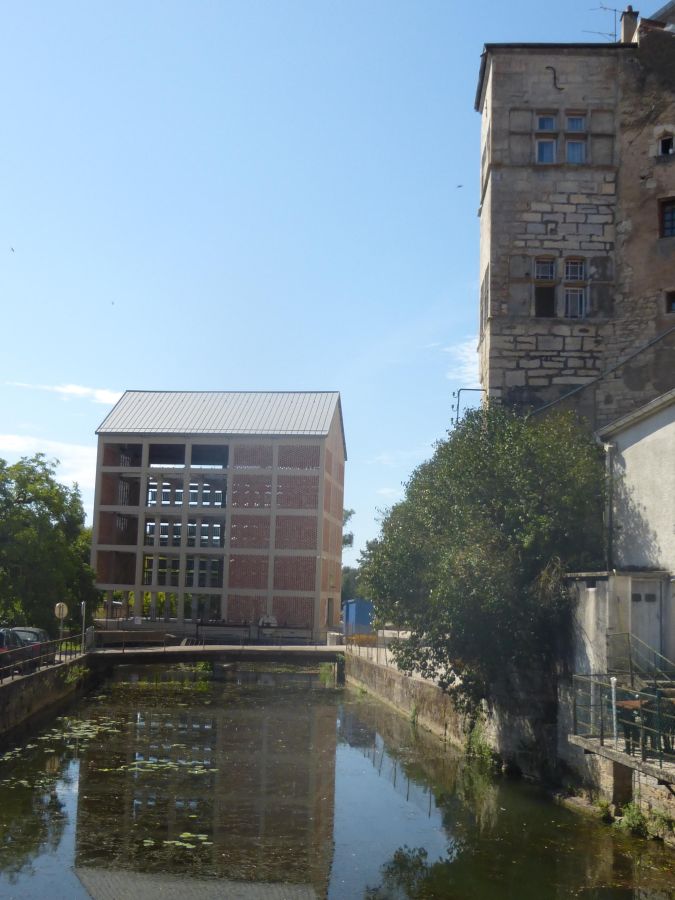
(31, 657)
(637, 723)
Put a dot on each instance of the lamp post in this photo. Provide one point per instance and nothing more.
(83, 610)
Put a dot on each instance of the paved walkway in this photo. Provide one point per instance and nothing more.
(109, 884)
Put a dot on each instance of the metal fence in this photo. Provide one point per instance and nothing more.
(638, 723)
(32, 657)
(637, 662)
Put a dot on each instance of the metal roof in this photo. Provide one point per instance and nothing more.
(223, 412)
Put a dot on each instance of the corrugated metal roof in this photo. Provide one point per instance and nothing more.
(223, 412)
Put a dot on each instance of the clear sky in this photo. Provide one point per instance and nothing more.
(246, 196)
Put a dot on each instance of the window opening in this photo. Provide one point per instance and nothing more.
(546, 123)
(576, 152)
(670, 301)
(575, 270)
(575, 303)
(668, 218)
(576, 123)
(544, 269)
(666, 147)
(545, 151)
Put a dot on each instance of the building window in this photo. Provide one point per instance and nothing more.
(576, 152)
(546, 122)
(544, 288)
(545, 151)
(575, 303)
(667, 216)
(670, 301)
(576, 123)
(544, 269)
(666, 147)
(575, 270)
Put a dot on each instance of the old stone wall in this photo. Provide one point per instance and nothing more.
(604, 209)
(29, 695)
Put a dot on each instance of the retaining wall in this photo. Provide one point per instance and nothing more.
(29, 695)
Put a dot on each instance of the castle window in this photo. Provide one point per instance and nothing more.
(667, 218)
(544, 269)
(544, 301)
(576, 152)
(545, 151)
(575, 303)
(575, 270)
(670, 301)
(544, 287)
(666, 147)
(576, 123)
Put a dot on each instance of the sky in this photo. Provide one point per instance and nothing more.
(247, 196)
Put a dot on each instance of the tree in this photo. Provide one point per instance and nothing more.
(472, 560)
(347, 536)
(44, 548)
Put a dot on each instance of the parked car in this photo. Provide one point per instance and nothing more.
(37, 638)
(20, 656)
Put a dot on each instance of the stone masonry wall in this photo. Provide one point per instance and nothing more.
(604, 211)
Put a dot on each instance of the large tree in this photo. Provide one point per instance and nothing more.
(44, 548)
(471, 561)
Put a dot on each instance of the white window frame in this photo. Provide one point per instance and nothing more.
(547, 141)
(549, 263)
(576, 143)
(575, 269)
(571, 117)
(575, 302)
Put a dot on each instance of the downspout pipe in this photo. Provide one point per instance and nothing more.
(608, 516)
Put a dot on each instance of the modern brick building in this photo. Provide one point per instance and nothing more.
(222, 507)
(577, 220)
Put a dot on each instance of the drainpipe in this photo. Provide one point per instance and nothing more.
(609, 449)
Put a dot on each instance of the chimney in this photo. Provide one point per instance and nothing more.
(629, 23)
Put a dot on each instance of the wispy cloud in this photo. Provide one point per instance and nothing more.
(97, 395)
(390, 492)
(464, 362)
(77, 462)
(394, 458)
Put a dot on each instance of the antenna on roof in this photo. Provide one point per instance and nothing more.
(613, 35)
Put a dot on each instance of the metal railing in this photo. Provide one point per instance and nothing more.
(31, 657)
(638, 723)
(637, 662)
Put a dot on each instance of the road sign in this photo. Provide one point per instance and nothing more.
(60, 611)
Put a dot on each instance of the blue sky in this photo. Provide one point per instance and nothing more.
(246, 196)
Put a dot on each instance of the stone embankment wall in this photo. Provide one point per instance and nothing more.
(29, 695)
(519, 727)
(524, 727)
(423, 702)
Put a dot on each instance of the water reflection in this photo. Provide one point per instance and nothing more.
(235, 782)
(180, 782)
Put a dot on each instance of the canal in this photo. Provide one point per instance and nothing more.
(261, 783)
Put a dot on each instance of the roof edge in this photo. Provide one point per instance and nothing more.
(638, 415)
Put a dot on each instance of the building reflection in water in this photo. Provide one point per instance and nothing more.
(234, 781)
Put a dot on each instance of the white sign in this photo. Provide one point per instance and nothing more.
(60, 610)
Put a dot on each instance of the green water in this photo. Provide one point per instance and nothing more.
(277, 784)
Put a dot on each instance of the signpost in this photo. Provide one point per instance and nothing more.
(60, 611)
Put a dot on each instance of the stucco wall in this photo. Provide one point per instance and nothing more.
(644, 508)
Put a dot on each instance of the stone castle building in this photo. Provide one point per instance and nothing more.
(222, 507)
(577, 220)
